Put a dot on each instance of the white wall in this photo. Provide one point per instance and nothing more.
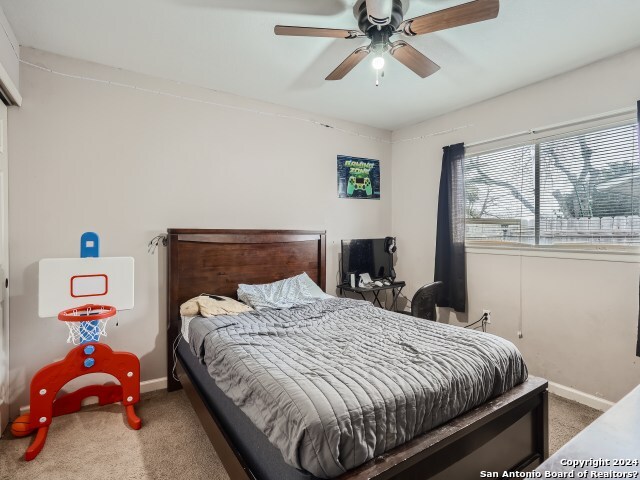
(9, 61)
(129, 164)
(580, 316)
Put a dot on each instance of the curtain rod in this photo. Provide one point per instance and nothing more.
(533, 131)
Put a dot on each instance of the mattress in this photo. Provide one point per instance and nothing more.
(338, 382)
(262, 457)
(184, 330)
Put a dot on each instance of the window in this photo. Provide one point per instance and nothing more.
(582, 189)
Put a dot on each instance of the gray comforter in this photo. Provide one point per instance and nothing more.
(338, 382)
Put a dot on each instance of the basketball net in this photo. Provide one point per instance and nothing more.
(90, 330)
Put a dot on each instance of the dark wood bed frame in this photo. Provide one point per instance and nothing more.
(507, 433)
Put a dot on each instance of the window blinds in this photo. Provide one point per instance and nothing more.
(588, 189)
(500, 200)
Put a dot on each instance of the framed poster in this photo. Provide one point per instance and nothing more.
(358, 178)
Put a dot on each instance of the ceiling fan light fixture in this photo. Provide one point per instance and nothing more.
(378, 62)
(379, 20)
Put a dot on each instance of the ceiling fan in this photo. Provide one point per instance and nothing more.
(379, 20)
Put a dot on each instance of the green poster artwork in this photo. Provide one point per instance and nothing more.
(358, 178)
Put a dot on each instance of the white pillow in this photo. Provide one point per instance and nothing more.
(287, 293)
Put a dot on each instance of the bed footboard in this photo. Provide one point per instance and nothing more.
(508, 433)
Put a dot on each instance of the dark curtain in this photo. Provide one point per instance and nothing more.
(638, 342)
(450, 261)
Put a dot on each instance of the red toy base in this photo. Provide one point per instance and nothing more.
(132, 418)
(37, 445)
(82, 360)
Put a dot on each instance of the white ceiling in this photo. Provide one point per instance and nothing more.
(229, 45)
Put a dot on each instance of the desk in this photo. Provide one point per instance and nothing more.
(395, 288)
(613, 437)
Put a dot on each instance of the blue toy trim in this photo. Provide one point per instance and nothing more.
(89, 245)
(89, 248)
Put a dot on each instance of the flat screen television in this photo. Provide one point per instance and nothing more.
(365, 256)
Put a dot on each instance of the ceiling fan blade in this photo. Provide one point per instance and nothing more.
(351, 61)
(413, 59)
(472, 12)
(315, 32)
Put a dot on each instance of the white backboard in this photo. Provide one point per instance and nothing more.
(71, 282)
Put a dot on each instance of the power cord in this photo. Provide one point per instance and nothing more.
(175, 357)
(404, 296)
(155, 243)
(484, 319)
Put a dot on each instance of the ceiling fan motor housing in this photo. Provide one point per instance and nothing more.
(377, 15)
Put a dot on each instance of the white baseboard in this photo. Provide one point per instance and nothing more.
(153, 385)
(145, 387)
(555, 388)
(580, 397)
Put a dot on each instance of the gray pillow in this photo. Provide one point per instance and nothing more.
(314, 290)
(287, 293)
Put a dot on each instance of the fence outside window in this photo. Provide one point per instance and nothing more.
(580, 189)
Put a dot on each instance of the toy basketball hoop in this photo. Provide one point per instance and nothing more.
(87, 323)
(106, 285)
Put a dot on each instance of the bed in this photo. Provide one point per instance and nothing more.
(507, 432)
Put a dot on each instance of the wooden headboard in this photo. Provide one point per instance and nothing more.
(217, 261)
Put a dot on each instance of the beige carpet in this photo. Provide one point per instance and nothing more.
(566, 420)
(96, 443)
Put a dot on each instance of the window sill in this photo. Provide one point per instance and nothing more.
(603, 253)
